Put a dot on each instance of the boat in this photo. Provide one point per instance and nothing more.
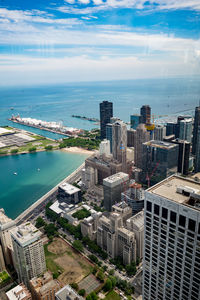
(38, 169)
(15, 173)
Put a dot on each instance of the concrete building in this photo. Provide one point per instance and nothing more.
(5, 225)
(185, 130)
(142, 136)
(29, 259)
(197, 149)
(136, 225)
(89, 177)
(172, 234)
(145, 113)
(134, 197)
(67, 293)
(160, 160)
(103, 167)
(44, 287)
(20, 292)
(123, 209)
(135, 120)
(131, 138)
(115, 239)
(89, 225)
(183, 156)
(113, 186)
(119, 143)
(69, 193)
(106, 112)
(159, 132)
(195, 129)
(2, 262)
(104, 148)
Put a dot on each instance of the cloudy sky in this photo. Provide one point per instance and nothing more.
(60, 41)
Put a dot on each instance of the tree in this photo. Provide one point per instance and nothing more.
(32, 149)
(94, 270)
(108, 285)
(40, 222)
(82, 292)
(111, 272)
(74, 285)
(14, 151)
(78, 245)
(48, 147)
(113, 279)
(100, 276)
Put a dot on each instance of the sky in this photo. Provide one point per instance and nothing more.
(47, 42)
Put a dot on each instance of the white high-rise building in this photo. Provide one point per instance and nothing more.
(104, 148)
(5, 225)
(172, 240)
(29, 258)
(119, 142)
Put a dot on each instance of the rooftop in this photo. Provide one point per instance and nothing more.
(19, 292)
(137, 220)
(160, 144)
(25, 234)
(116, 178)
(67, 293)
(69, 188)
(182, 190)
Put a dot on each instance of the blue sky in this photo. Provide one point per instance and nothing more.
(85, 40)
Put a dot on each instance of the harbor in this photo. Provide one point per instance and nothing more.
(55, 127)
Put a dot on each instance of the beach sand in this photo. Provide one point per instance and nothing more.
(78, 150)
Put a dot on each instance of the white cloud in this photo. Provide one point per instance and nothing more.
(22, 70)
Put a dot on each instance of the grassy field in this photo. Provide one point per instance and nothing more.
(4, 277)
(112, 296)
(66, 263)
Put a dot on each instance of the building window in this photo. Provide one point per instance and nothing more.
(149, 206)
(156, 209)
(164, 213)
(173, 217)
(191, 225)
(182, 220)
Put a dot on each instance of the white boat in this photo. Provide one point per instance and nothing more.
(15, 173)
(38, 169)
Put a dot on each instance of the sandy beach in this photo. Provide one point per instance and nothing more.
(78, 150)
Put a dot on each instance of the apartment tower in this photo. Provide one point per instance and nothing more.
(106, 112)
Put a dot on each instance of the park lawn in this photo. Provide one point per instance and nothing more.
(51, 265)
(112, 296)
(4, 277)
(65, 262)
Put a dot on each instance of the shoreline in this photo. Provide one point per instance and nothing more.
(78, 150)
(45, 198)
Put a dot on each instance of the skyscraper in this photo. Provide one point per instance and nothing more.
(29, 259)
(142, 136)
(119, 142)
(185, 130)
(109, 134)
(197, 156)
(145, 113)
(172, 240)
(106, 112)
(135, 121)
(183, 156)
(195, 130)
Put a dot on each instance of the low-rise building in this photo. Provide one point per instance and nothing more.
(69, 193)
(89, 225)
(67, 293)
(44, 287)
(115, 239)
(20, 292)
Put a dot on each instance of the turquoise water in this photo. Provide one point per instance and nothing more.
(19, 191)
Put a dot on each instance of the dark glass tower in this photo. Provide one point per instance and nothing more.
(106, 112)
(145, 113)
(195, 130)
